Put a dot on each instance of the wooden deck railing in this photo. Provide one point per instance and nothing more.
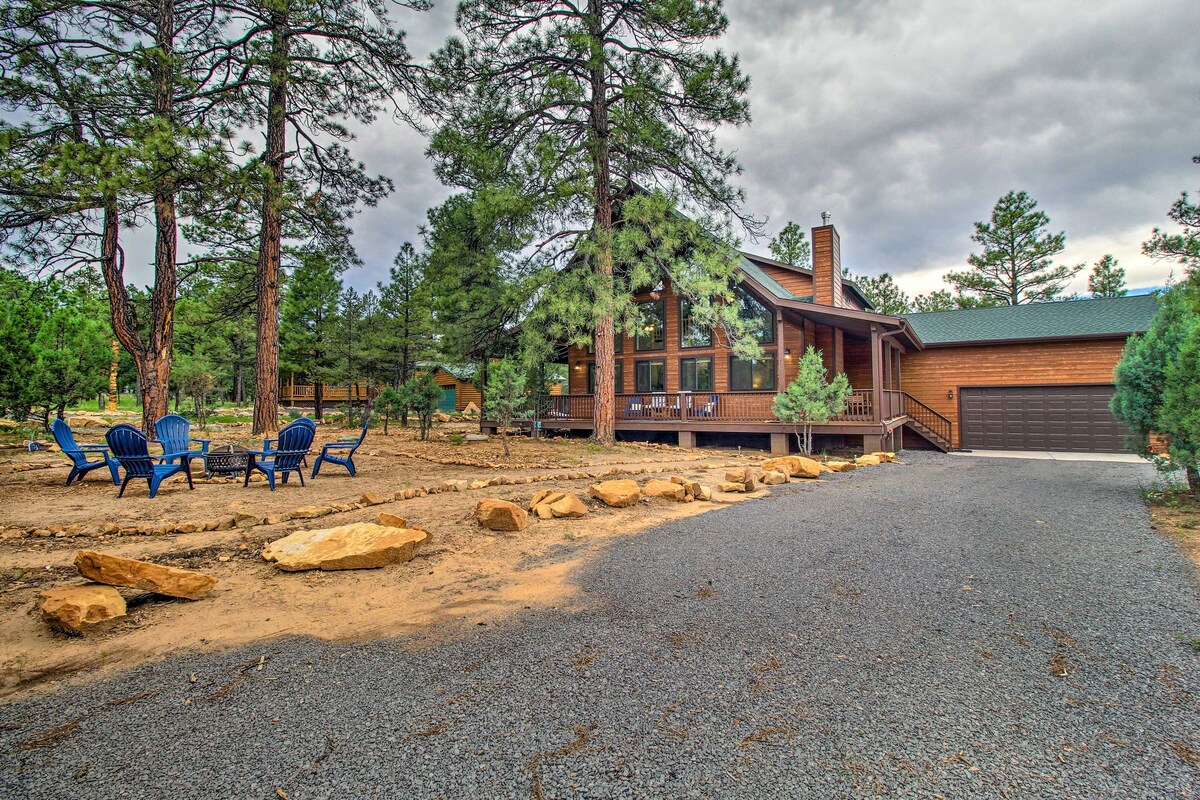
(330, 393)
(683, 406)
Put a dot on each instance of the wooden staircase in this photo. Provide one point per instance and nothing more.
(929, 424)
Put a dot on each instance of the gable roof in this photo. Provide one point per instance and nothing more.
(1111, 316)
(460, 372)
(757, 260)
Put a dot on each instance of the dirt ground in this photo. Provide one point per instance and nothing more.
(463, 573)
(1177, 514)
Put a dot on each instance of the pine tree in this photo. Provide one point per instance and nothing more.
(1184, 246)
(1015, 264)
(791, 246)
(884, 294)
(1107, 279)
(574, 103)
(1141, 374)
(810, 399)
(505, 396)
(309, 322)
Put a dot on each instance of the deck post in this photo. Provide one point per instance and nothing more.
(779, 444)
(876, 374)
(687, 438)
(872, 442)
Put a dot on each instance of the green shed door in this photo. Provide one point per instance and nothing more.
(448, 398)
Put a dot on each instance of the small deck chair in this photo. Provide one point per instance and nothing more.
(269, 444)
(341, 452)
(175, 435)
(78, 453)
(131, 449)
(293, 443)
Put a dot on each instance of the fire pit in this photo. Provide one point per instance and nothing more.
(226, 460)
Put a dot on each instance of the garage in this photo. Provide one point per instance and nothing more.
(1059, 418)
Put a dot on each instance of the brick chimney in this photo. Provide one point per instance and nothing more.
(827, 264)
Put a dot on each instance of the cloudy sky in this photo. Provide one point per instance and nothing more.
(907, 119)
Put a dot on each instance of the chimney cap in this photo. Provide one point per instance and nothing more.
(825, 217)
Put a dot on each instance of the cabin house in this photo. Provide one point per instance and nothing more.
(1025, 377)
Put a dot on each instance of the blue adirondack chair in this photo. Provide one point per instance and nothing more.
(78, 453)
(175, 435)
(269, 444)
(341, 452)
(132, 450)
(292, 445)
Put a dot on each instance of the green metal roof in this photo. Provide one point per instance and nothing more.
(1113, 316)
(463, 372)
(770, 284)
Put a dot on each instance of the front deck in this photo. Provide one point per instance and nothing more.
(874, 416)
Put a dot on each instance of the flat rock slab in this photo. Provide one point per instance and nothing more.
(617, 493)
(120, 571)
(501, 515)
(363, 545)
(81, 609)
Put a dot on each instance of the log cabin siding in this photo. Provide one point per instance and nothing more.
(464, 392)
(797, 283)
(929, 374)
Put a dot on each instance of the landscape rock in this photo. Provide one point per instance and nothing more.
(733, 487)
(275, 519)
(311, 512)
(81, 609)
(120, 571)
(441, 416)
(545, 496)
(617, 493)
(454, 485)
(470, 410)
(745, 477)
(868, 461)
(884, 457)
(362, 545)
(501, 515)
(703, 492)
(226, 523)
(569, 506)
(841, 466)
(243, 520)
(371, 499)
(665, 489)
(391, 520)
(772, 478)
(480, 484)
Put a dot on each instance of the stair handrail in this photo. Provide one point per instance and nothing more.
(938, 424)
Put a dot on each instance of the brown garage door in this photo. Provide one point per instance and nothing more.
(1064, 418)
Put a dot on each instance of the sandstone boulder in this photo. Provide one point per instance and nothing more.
(867, 461)
(441, 417)
(501, 515)
(617, 493)
(794, 466)
(471, 410)
(743, 476)
(772, 478)
(311, 512)
(120, 571)
(371, 499)
(566, 507)
(733, 487)
(666, 489)
(391, 520)
(363, 545)
(244, 520)
(841, 466)
(81, 609)
(545, 496)
(884, 457)
(453, 485)
(703, 492)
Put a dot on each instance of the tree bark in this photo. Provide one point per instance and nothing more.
(318, 397)
(266, 377)
(603, 400)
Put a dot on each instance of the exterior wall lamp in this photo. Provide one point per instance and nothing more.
(787, 354)
(949, 394)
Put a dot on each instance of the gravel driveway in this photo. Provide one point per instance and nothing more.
(943, 628)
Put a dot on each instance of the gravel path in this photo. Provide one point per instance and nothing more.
(949, 627)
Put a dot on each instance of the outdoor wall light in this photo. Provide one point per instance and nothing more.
(949, 394)
(787, 353)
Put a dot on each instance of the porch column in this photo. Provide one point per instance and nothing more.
(780, 369)
(887, 365)
(687, 438)
(876, 373)
(779, 444)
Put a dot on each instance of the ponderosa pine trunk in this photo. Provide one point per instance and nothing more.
(266, 376)
(603, 398)
(318, 399)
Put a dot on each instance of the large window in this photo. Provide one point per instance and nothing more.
(691, 332)
(696, 374)
(618, 377)
(651, 326)
(760, 318)
(746, 374)
(650, 376)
